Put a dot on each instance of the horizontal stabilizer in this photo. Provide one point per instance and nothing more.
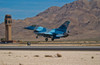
(30, 27)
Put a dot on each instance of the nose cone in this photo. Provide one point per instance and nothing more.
(29, 28)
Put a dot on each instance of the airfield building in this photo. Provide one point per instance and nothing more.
(8, 31)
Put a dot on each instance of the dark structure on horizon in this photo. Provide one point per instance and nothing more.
(8, 30)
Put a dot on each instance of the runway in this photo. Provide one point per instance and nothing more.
(65, 48)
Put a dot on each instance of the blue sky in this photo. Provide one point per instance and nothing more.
(21, 9)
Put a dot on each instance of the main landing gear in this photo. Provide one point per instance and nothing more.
(46, 39)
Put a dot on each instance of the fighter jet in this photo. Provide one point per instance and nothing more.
(57, 33)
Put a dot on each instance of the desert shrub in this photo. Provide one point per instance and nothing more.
(48, 55)
(92, 57)
(59, 55)
(25, 56)
(20, 64)
(3, 39)
(9, 52)
(36, 56)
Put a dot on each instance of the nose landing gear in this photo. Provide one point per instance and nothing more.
(52, 39)
(46, 39)
(36, 37)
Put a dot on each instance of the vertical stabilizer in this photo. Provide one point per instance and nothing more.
(64, 26)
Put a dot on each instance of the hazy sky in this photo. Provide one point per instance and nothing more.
(21, 9)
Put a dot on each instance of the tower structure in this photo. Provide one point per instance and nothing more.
(8, 30)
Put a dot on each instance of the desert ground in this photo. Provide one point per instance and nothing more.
(20, 57)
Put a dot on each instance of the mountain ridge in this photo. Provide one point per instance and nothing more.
(83, 14)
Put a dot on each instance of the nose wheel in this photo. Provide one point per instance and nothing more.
(46, 39)
(52, 39)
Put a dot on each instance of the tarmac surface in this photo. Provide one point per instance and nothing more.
(72, 48)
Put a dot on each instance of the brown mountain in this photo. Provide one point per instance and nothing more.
(83, 14)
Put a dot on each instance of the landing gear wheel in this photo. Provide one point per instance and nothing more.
(52, 39)
(36, 36)
(46, 39)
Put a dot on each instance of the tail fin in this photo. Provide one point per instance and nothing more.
(64, 26)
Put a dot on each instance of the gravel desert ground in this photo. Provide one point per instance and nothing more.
(20, 57)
